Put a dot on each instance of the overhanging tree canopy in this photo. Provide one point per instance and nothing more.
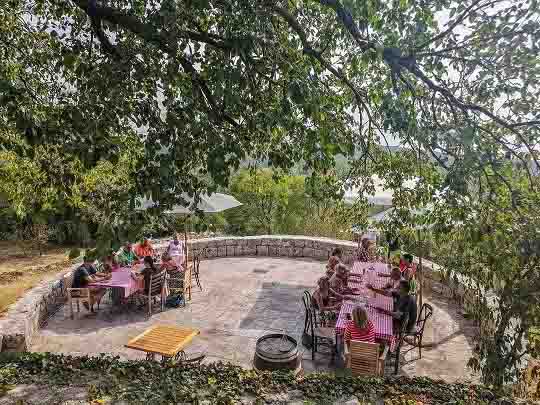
(209, 82)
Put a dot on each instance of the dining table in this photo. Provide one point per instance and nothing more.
(383, 323)
(168, 341)
(123, 282)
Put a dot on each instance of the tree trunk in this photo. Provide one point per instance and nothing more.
(420, 273)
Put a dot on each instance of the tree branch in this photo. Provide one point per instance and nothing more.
(150, 34)
(456, 22)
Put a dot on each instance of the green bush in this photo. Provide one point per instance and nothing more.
(109, 378)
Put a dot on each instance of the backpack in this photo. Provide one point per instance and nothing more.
(174, 301)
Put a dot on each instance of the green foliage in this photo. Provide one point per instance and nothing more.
(499, 255)
(74, 253)
(222, 383)
(26, 184)
(277, 203)
(271, 203)
(208, 85)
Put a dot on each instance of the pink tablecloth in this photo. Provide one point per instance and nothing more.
(381, 322)
(121, 279)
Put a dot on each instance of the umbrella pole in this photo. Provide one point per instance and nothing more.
(420, 274)
(186, 257)
(186, 251)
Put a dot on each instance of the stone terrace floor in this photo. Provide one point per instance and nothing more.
(242, 299)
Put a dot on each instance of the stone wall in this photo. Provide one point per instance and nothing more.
(271, 245)
(29, 313)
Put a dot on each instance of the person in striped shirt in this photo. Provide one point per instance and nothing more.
(360, 327)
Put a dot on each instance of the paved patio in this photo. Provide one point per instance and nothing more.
(244, 298)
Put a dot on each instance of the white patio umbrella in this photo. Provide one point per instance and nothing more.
(208, 203)
(382, 195)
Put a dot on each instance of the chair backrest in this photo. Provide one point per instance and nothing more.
(364, 358)
(78, 293)
(425, 313)
(187, 278)
(309, 321)
(68, 279)
(156, 284)
(312, 309)
(196, 263)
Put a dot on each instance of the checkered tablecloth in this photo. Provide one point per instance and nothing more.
(381, 322)
(122, 280)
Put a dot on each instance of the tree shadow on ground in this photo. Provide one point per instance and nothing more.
(107, 316)
(278, 307)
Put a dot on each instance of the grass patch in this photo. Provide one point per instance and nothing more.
(21, 268)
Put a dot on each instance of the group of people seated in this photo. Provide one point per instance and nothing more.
(87, 273)
(332, 289)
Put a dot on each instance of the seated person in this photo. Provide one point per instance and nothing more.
(404, 306)
(360, 327)
(371, 251)
(144, 248)
(338, 282)
(126, 256)
(406, 262)
(333, 261)
(167, 263)
(110, 262)
(86, 274)
(395, 278)
(148, 270)
(362, 253)
(323, 299)
(107, 268)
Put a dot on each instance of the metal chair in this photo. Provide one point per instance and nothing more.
(321, 336)
(425, 313)
(196, 264)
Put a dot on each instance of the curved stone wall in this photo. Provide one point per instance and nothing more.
(29, 313)
(270, 245)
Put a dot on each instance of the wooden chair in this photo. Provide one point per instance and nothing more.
(76, 295)
(175, 281)
(179, 283)
(156, 289)
(364, 358)
(321, 336)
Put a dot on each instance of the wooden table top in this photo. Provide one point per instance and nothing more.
(166, 340)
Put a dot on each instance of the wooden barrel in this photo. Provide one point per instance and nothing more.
(277, 352)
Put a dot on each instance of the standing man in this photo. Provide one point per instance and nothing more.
(404, 305)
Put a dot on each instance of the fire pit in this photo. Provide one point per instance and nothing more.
(277, 351)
